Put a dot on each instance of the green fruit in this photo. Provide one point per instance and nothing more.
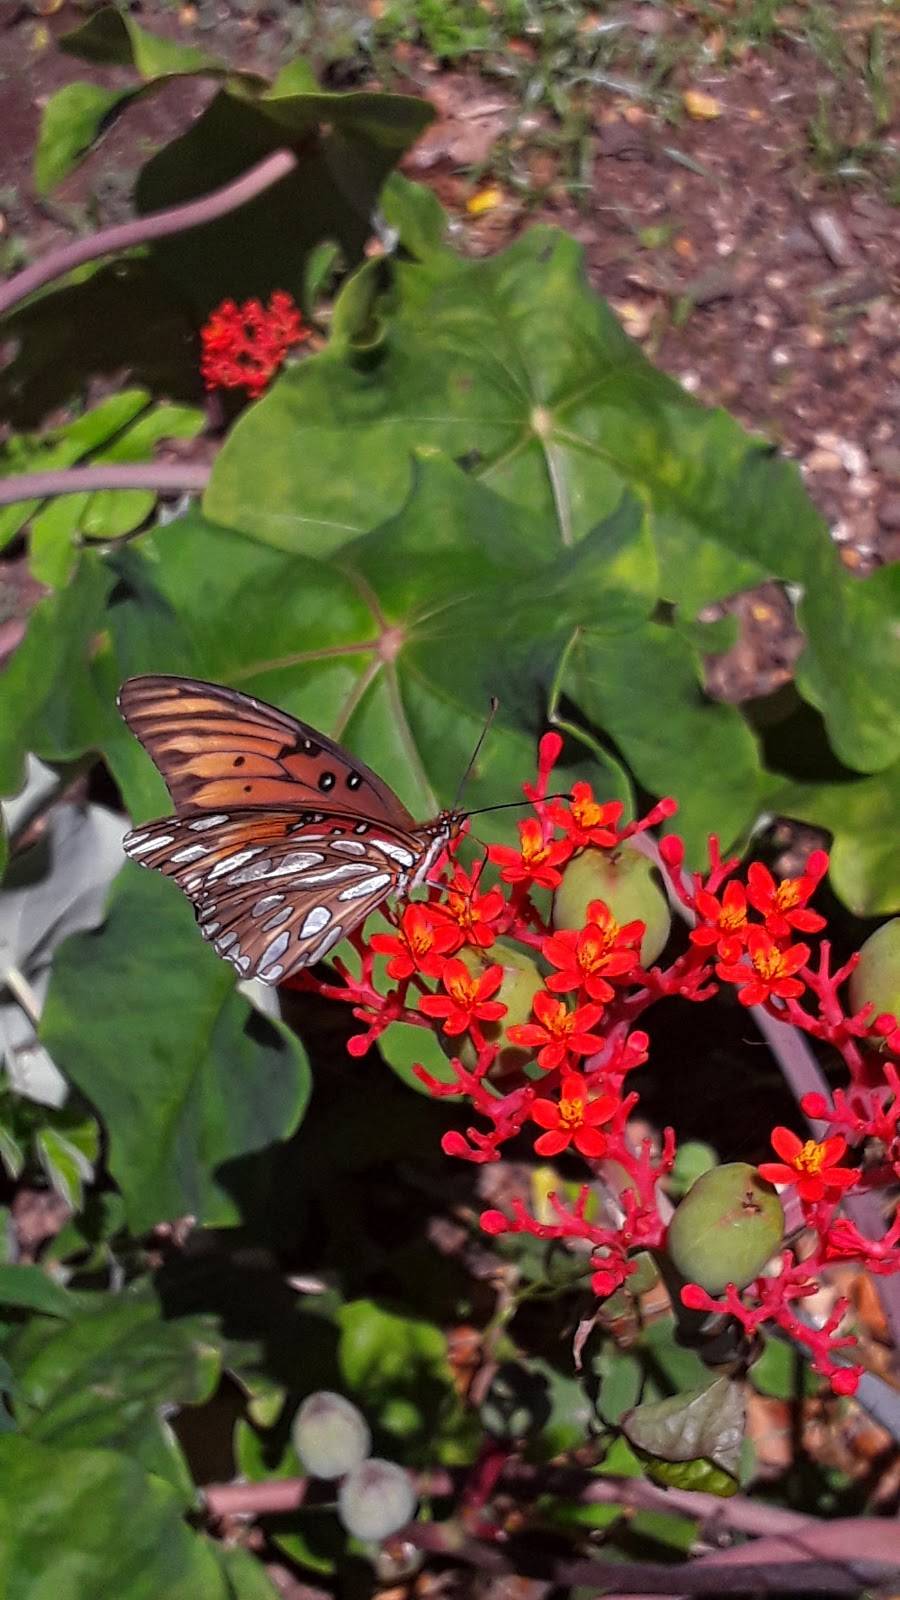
(331, 1436)
(726, 1228)
(626, 881)
(521, 982)
(876, 981)
(376, 1499)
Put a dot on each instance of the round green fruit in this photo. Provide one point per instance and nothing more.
(876, 981)
(626, 881)
(521, 981)
(376, 1499)
(330, 1435)
(726, 1228)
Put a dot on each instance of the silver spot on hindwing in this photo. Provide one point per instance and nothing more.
(318, 918)
(191, 852)
(348, 847)
(297, 861)
(153, 843)
(271, 974)
(266, 904)
(202, 823)
(272, 954)
(230, 862)
(396, 852)
(224, 944)
(280, 917)
(332, 937)
(209, 928)
(369, 885)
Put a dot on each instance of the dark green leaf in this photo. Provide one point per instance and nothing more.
(699, 1424)
(84, 1523)
(112, 38)
(186, 1077)
(851, 668)
(30, 1287)
(396, 1368)
(862, 818)
(73, 119)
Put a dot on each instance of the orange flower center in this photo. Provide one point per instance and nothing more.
(811, 1159)
(534, 850)
(787, 895)
(731, 918)
(462, 909)
(596, 946)
(571, 1113)
(770, 964)
(560, 1022)
(587, 813)
(464, 990)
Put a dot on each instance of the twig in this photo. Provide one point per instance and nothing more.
(160, 476)
(157, 225)
(272, 1496)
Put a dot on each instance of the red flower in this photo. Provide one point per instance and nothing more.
(599, 951)
(243, 346)
(783, 904)
(724, 921)
(469, 915)
(467, 998)
(420, 945)
(535, 861)
(771, 971)
(557, 1031)
(572, 1120)
(587, 821)
(811, 1167)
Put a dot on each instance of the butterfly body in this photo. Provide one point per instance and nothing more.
(282, 841)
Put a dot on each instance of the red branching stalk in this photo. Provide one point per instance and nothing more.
(562, 1070)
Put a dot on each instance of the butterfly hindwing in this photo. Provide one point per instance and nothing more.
(220, 750)
(275, 892)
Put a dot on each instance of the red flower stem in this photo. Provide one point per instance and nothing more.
(162, 477)
(157, 225)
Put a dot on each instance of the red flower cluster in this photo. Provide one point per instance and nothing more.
(244, 346)
(574, 1042)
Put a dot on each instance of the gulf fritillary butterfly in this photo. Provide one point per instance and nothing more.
(282, 841)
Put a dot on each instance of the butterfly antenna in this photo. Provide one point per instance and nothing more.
(515, 805)
(495, 705)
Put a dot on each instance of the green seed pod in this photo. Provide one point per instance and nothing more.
(331, 1436)
(376, 1499)
(726, 1228)
(876, 981)
(521, 982)
(626, 881)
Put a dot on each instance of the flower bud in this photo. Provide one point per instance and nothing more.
(726, 1228)
(626, 881)
(521, 982)
(331, 1436)
(876, 980)
(376, 1499)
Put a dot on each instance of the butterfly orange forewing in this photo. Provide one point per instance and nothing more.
(282, 841)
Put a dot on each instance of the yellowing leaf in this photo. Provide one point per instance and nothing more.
(704, 107)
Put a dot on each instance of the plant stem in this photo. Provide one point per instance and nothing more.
(164, 478)
(177, 219)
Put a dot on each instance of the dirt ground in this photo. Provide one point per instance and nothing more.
(761, 282)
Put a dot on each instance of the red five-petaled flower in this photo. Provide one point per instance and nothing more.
(419, 945)
(770, 972)
(535, 861)
(467, 998)
(573, 1119)
(587, 821)
(468, 916)
(784, 904)
(243, 346)
(557, 1031)
(811, 1167)
(724, 921)
(587, 959)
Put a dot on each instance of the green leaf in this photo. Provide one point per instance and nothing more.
(68, 1159)
(111, 38)
(186, 1076)
(81, 1523)
(380, 651)
(73, 119)
(862, 817)
(704, 1424)
(346, 145)
(48, 701)
(107, 514)
(396, 1367)
(244, 1574)
(851, 668)
(30, 1288)
(106, 1376)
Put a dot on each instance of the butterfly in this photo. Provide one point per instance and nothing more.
(283, 842)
